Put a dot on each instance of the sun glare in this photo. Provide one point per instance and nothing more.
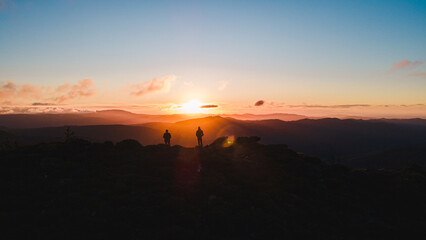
(193, 106)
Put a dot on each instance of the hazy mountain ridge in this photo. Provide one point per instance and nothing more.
(112, 117)
(331, 139)
(106, 117)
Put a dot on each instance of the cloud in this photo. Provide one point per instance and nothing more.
(222, 85)
(5, 3)
(404, 64)
(38, 109)
(422, 75)
(19, 92)
(330, 106)
(42, 104)
(10, 90)
(7, 90)
(71, 91)
(209, 106)
(155, 85)
(174, 107)
(259, 103)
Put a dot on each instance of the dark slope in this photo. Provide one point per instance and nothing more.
(328, 138)
(93, 133)
(6, 138)
(82, 190)
(414, 122)
(391, 158)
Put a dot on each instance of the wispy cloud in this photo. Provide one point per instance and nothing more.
(404, 64)
(422, 75)
(222, 85)
(11, 90)
(18, 92)
(154, 85)
(259, 103)
(71, 91)
(6, 3)
(38, 109)
(330, 106)
(2, 4)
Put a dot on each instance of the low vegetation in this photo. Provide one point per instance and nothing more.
(227, 190)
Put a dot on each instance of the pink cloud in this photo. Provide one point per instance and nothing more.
(155, 85)
(331, 106)
(81, 89)
(6, 3)
(11, 91)
(404, 64)
(422, 75)
(7, 90)
(63, 87)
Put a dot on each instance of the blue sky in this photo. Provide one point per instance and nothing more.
(286, 52)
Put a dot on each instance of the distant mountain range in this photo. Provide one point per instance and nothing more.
(112, 117)
(334, 140)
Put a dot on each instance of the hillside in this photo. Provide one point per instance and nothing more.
(332, 140)
(106, 117)
(390, 158)
(84, 190)
(114, 117)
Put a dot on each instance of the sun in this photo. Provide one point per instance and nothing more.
(193, 106)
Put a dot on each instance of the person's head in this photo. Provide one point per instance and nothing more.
(167, 130)
(199, 127)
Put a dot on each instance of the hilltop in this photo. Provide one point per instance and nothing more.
(245, 190)
(331, 139)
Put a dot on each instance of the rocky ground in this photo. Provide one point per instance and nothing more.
(238, 190)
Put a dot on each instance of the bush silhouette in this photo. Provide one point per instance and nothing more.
(129, 144)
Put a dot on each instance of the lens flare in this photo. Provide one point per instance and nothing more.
(229, 141)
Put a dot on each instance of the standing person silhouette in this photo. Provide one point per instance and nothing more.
(200, 135)
(167, 137)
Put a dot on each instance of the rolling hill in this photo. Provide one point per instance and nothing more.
(113, 117)
(330, 139)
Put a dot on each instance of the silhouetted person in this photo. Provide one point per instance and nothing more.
(200, 135)
(167, 137)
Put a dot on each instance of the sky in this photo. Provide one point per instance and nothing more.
(319, 58)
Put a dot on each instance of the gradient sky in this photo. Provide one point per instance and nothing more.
(309, 57)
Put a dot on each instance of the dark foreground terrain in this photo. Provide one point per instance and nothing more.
(84, 190)
(356, 143)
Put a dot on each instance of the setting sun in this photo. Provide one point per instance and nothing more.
(193, 106)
